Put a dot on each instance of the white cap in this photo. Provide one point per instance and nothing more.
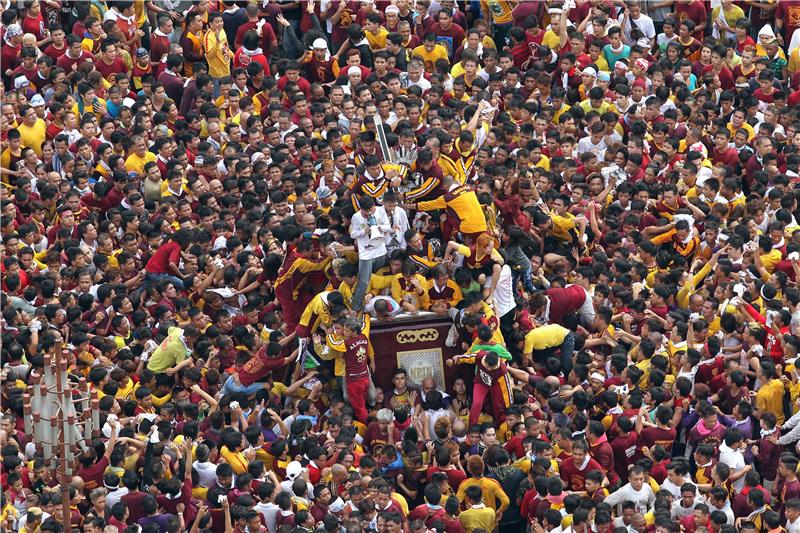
(20, 82)
(293, 470)
(621, 65)
(37, 100)
(319, 44)
(353, 70)
(393, 9)
(589, 71)
(598, 376)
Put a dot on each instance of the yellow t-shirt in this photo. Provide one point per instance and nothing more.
(500, 10)
(219, 64)
(98, 115)
(134, 163)
(794, 61)
(33, 136)
(562, 225)
(770, 260)
(237, 460)
(429, 58)
(747, 127)
(377, 42)
(551, 39)
(544, 163)
(543, 337)
(769, 398)
(732, 14)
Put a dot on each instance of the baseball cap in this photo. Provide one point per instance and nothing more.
(319, 44)
(393, 9)
(603, 76)
(293, 470)
(141, 52)
(20, 82)
(37, 100)
(642, 63)
(324, 192)
(353, 70)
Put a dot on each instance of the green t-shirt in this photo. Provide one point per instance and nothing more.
(169, 353)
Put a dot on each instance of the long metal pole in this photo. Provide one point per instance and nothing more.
(62, 438)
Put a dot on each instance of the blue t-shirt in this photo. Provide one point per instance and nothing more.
(612, 57)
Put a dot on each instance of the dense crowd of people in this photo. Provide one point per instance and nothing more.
(208, 206)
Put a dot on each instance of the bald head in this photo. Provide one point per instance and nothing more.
(339, 472)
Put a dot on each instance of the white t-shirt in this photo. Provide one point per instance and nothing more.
(269, 511)
(643, 498)
(735, 460)
(504, 292)
(793, 527)
(644, 23)
(586, 145)
(207, 472)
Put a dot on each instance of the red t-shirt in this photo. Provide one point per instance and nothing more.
(426, 514)
(9, 56)
(729, 157)
(766, 98)
(166, 254)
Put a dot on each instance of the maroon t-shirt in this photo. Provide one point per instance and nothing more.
(451, 38)
(426, 514)
(116, 67)
(729, 157)
(454, 476)
(624, 449)
(258, 367)
(694, 11)
(356, 356)
(790, 490)
(93, 475)
(133, 500)
(66, 62)
(660, 436)
(565, 301)
(708, 369)
(575, 478)
(374, 435)
(789, 12)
